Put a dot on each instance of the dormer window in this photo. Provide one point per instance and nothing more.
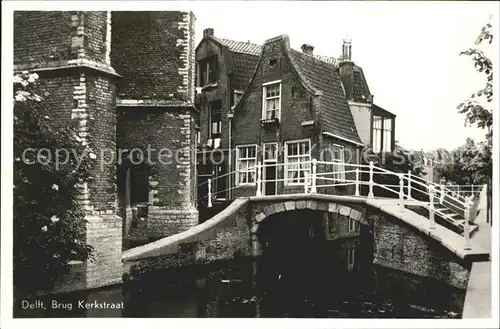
(237, 95)
(208, 71)
(271, 103)
(382, 134)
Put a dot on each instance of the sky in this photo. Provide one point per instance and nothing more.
(409, 53)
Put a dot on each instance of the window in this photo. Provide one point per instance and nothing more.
(270, 152)
(246, 161)
(271, 104)
(237, 95)
(338, 163)
(387, 128)
(353, 225)
(350, 257)
(297, 152)
(207, 71)
(377, 134)
(215, 119)
(382, 134)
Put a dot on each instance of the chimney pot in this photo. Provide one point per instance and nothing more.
(208, 32)
(307, 49)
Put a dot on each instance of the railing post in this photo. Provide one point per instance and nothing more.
(468, 203)
(313, 178)
(441, 194)
(370, 183)
(401, 192)
(259, 179)
(432, 222)
(306, 184)
(209, 195)
(409, 185)
(357, 182)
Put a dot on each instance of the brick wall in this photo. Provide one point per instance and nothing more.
(221, 92)
(151, 50)
(73, 91)
(400, 247)
(42, 37)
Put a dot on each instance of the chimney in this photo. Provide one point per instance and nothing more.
(208, 32)
(307, 49)
(346, 70)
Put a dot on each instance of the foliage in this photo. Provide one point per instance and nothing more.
(471, 164)
(397, 162)
(475, 112)
(49, 225)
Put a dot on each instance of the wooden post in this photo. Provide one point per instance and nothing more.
(432, 222)
(357, 182)
(209, 195)
(401, 192)
(259, 179)
(468, 203)
(370, 183)
(313, 176)
(409, 185)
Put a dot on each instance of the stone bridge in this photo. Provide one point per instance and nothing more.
(403, 239)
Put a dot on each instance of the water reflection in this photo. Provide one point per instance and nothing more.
(302, 272)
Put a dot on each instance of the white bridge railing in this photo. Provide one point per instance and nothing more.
(315, 177)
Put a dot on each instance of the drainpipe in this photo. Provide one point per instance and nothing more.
(230, 121)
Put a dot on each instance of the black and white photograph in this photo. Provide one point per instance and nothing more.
(335, 161)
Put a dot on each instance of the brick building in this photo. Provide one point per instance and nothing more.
(293, 110)
(224, 70)
(128, 78)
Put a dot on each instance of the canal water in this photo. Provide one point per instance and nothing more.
(298, 275)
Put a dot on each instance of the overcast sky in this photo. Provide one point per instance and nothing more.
(409, 52)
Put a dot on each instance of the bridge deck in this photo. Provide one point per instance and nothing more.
(451, 240)
(478, 297)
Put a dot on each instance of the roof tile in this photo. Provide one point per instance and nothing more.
(336, 115)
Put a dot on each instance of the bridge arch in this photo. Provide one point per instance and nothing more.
(263, 210)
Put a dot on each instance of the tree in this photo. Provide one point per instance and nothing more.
(474, 108)
(49, 224)
(472, 163)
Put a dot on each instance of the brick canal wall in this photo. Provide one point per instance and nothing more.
(233, 233)
(401, 247)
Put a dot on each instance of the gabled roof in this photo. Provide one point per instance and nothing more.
(336, 117)
(241, 47)
(245, 57)
(361, 92)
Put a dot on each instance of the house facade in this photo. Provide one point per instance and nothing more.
(293, 110)
(224, 70)
(375, 125)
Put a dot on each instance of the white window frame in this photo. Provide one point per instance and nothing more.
(386, 132)
(264, 98)
(338, 164)
(377, 144)
(353, 225)
(287, 164)
(351, 254)
(238, 159)
(264, 152)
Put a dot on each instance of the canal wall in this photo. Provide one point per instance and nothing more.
(399, 246)
(225, 236)
(403, 240)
